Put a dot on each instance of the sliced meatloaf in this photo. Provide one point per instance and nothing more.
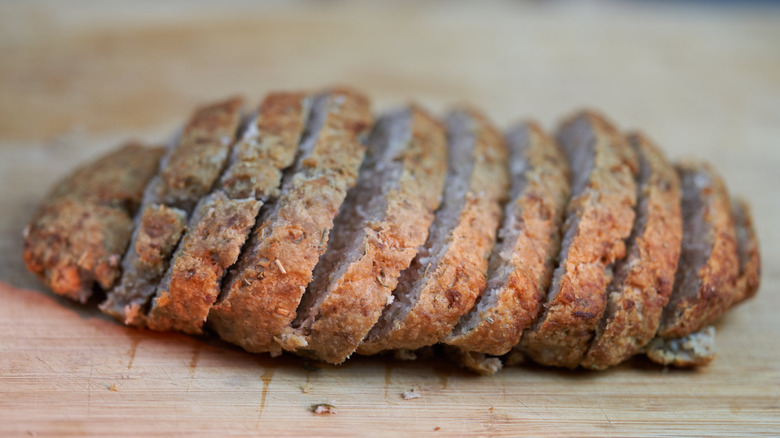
(383, 221)
(644, 278)
(188, 172)
(264, 288)
(522, 263)
(79, 233)
(222, 221)
(704, 285)
(600, 216)
(449, 271)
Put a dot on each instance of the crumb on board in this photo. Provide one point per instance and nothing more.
(410, 394)
(436, 429)
(306, 388)
(324, 408)
(111, 387)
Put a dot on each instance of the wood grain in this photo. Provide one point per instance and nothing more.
(76, 80)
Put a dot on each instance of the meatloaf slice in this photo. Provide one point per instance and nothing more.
(187, 173)
(522, 263)
(263, 289)
(449, 271)
(383, 221)
(600, 216)
(222, 221)
(79, 233)
(705, 281)
(643, 280)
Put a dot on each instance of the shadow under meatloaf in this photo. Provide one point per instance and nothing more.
(187, 173)
(704, 285)
(523, 260)
(600, 216)
(449, 270)
(644, 278)
(264, 288)
(383, 221)
(221, 222)
(80, 231)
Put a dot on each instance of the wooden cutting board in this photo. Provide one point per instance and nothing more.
(76, 79)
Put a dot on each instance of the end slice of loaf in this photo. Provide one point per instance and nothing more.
(644, 278)
(81, 230)
(187, 173)
(264, 288)
(383, 221)
(450, 269)
(522, 263)
(707, 272)
(600, 216)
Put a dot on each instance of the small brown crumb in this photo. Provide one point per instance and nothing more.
(437, 428)
(324, 408)
(306, 388)
(279, 265)
(111, 387)
(410, 394)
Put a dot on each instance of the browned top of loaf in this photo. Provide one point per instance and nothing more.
(600, 216)
(265, 287)
(200, 156)
(79, 233)
(188, 172)
(702, 293)
(521, 267)
(749, 256)
(217, 231)
(267, 147)
(355, 299)
(643, 280)
(450, 288)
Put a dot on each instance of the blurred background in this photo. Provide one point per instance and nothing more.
(78, 77)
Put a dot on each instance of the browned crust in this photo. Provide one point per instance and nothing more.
(200, 156)
(643, 280)
(355, 300)
(267, 147)
(602, 216)
(265, 287)
(451, 287)
(217, 231)
(79, 233)
(519, 275)
(749, 255)
(689, 311)
(187, 174)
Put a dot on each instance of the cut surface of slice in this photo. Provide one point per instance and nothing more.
(599, 217)
(705, 281)
(383, 221)
(79, 233)
(522, 263)
(265, 286)
(644, 278)
(449, 270)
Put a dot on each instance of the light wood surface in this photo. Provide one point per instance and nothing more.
(77, 78)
